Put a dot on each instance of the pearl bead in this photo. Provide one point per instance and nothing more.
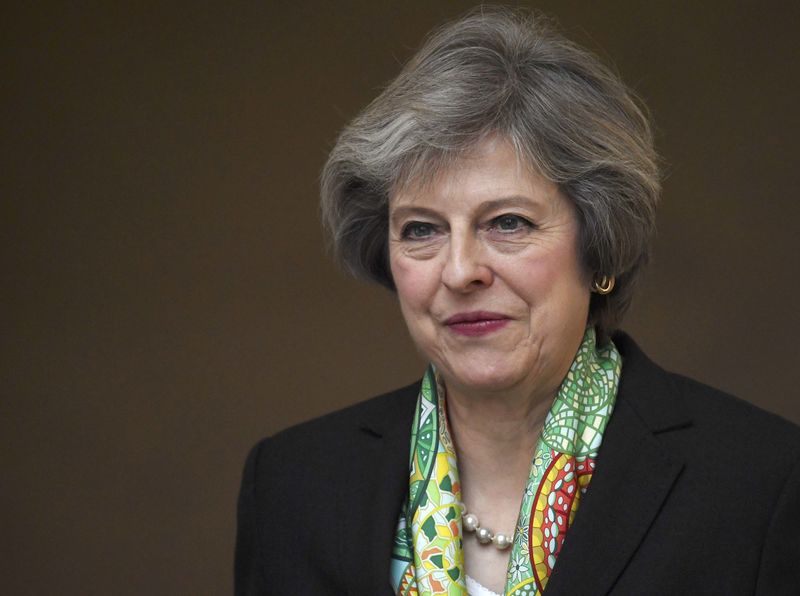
(470, 521)
(484, 535)
(501, 541)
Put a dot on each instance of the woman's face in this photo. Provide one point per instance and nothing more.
(488, 276)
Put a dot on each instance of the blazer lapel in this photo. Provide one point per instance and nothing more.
(634, 475)
(372, 497)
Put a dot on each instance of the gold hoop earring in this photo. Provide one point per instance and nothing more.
(604, 284)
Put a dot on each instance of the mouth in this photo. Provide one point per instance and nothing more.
(477, 323)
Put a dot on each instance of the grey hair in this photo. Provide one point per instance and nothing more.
(509, 73)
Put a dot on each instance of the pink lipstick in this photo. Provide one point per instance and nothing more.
(477, 323)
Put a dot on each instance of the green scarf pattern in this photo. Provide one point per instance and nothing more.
(427, 559)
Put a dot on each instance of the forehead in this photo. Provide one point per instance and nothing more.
(491, 170)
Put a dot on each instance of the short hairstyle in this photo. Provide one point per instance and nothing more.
(508, 73)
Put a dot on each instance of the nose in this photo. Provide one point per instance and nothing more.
(466, 268)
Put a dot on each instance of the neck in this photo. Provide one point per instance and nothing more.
(495, 424)
(495, 437)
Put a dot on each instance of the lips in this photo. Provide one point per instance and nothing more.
(476, 323)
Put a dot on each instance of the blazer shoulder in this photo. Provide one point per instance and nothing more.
(305, 488)
(706, 420)
(731, 413)
(328, 438)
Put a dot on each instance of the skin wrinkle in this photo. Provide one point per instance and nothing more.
(546, 231)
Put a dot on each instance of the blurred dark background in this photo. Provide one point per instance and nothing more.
(166, 297)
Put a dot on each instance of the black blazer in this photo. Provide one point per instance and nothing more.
(695, 492)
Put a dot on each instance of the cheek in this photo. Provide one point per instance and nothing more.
(413, 281)
(556, 282)
(569, 282)
(409, 281)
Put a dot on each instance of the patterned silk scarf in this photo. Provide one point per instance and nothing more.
(427, 559)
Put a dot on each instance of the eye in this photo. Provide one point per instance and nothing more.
(510, 223)
(418, 230)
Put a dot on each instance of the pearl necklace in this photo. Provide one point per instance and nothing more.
(484, 535)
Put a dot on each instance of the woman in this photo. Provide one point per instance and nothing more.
(504, 185)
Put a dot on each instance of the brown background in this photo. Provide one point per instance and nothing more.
(166, 298)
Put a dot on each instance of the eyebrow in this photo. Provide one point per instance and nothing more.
(510, 201)
(503, 202)
(408, 210)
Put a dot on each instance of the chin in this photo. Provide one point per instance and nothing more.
(481, 379)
